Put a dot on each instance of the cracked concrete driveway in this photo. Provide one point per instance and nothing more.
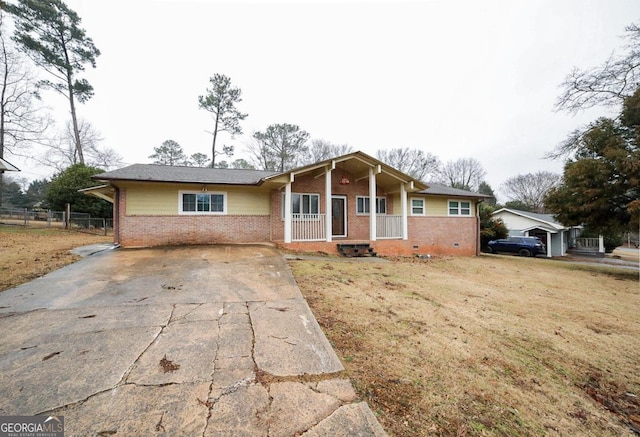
(211, 341)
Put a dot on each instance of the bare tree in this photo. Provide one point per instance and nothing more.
(413, 162)
(531, 188)
(607, 84)
(50, 34)
(63, 153)
(464, 173)
(320, 150)
(22, 122)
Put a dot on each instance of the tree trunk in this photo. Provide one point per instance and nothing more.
(72, 105)
(76, 132)
(213, 146)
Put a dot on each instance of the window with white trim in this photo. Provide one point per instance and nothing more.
(197, 202)
(303, 203)
(362, 205)
(459, 207)
(417, 206)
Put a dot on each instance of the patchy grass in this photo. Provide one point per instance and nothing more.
(28, 253)
(490, 345)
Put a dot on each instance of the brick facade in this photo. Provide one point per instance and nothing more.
(158, 230)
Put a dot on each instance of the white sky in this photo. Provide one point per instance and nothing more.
(455, 78)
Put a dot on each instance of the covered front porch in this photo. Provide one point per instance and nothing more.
(354, 197)
(316, 227)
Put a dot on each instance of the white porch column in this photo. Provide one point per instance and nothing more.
(372, 205)
(403, 205)
(548, 244)
(327, 205)
(562, 248)
(287, 211)
(600, 243)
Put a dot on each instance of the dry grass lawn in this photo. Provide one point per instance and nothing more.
(490, 345)
(27, 253)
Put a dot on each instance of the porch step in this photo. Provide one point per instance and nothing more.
(351, 250)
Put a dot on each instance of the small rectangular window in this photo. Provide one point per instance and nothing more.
(417, 207)
(303, 203)
(217, 203)
(362, 205)
(465, 208)
(457, 207)
(188, 202)
(202, 203)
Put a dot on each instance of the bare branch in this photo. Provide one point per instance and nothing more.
(605, 85)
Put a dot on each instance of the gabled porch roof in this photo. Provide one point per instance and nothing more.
(359, 165)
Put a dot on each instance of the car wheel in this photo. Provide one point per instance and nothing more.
(524, 252)
(490, 250)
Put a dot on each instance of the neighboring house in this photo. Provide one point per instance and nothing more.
(556, 237)
(310, 208)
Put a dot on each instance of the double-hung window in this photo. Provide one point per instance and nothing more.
(202, 203)
(417, 206)
(303, 203)
(459, 207)
(363, 207)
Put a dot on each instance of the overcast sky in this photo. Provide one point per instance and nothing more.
(454, 78)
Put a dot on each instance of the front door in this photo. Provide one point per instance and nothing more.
(339, 216)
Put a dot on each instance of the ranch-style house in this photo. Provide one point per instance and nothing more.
(350, 199)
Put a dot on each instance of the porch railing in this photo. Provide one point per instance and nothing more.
(593, 244)
(388, 226)
(308, 227)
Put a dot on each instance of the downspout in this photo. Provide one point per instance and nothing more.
(478, 243)
(116, 215)
(287, 210)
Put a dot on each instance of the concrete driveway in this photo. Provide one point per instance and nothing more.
(211, 341)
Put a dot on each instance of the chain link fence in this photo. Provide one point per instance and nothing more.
(78, 221)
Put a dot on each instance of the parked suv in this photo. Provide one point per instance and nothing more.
(523, 246)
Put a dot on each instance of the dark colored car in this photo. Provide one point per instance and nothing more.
(523, 246)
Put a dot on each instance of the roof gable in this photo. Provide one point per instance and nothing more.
(547, 219)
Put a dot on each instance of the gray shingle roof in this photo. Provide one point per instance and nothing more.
(178, 174)
(444, 190)
(542, 217)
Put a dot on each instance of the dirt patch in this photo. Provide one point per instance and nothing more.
(28, 253)
(490, 345)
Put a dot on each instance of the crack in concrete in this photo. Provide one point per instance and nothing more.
(122, 380)
(126, 374)
(184, 316)
(209, 403)
(265, 379)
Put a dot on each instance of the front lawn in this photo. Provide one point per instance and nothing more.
(488, 345)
